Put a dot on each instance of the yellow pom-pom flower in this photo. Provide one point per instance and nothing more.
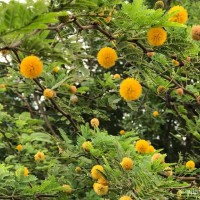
(168, 171)
(31, 67)
(158, 157)
(130, 89)
(56, 69)
(122, 132)
(39, 156)
(107, 57)
(125, 198)
(26, 172)
(100, 189)
(142, 146)
(49, 93)
(97, 171)
(155, 113)
(175, 63)
(156, 36)
(19, 147)
(180, 16)
(190, 164)
(102, 181)
(94, 122)
(127, 163)
(78, 169)
(196, 33)
(116, 76)
(87, 146)
(67, 189)
(151, 149)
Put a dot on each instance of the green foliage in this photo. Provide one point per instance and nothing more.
(68, 35)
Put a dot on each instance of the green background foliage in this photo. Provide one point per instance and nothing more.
(68, 35)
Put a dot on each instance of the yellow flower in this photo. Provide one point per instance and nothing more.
(31, 67)
(49, 93)
(107, 57)
(155, 113)
(116, 76)
(175, 63)
(151, 149)
(97, 171)
(67, 189)
(94, 122)
(102, 181)
(190, 164)
(56, 69)
(78, 170)
(130, 89)
(127, 163)
(87, 146)
(156, 36)
(196, 32)
(2, 86)
(158, 156)
(26, 172)
(19, 147)
(180, 16)
(125, 198)
(122, 132)
(39, 156)
(142, 146)
(168, 171)
(100, 189)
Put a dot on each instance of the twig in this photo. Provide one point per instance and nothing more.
(44, 115)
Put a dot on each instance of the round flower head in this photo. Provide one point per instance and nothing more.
(130, 89)
(19, 147)
(159, 157)
(180, 14)
(31, 67)
(125, 198)
(127, 163)
(156, 36)
(67, 189)
(155, 113)
(190, 164)
(116, 76)
(107, 57)
(49, 93)
(196, 32)
(56, 69)
(96, 172)
(168, 171)
(142, 146)
(87, 146)
(78, 169)
(175, 63)
(100, 189)
(159, 5)
(94, 122)
(122, 132)
(39, 156)
(151, 149)
(102, 181)
(26, 172)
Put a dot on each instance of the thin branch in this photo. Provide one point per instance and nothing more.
(41, 108)
(57, 107)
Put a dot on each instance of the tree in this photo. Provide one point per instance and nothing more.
(99, 99)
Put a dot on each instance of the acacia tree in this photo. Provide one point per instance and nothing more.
(98, 98)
